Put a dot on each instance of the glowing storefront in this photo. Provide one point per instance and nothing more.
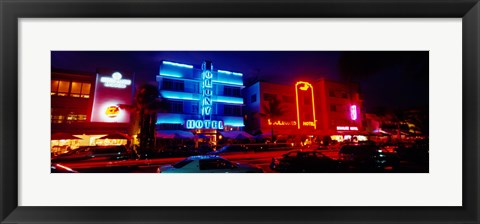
(86, 106)
(318, 108)
(200, 99)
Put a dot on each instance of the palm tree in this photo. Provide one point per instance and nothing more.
(147, 105)
(271, 110)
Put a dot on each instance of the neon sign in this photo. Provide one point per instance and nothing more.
(346, 128)
(208, 124)
(353, 112)
(177, 64)
(229, 72)
(309, 123)
(116, 81)
(207, 91)
(304, 86)
(112, 111)
(282, 123)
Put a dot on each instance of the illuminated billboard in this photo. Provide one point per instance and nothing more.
(112, 89)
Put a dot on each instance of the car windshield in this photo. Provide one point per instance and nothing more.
(182, 163)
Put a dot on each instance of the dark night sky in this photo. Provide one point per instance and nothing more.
(395, 80)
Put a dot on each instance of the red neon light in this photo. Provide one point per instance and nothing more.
(305, 87)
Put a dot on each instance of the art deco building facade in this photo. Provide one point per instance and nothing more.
(321, 108)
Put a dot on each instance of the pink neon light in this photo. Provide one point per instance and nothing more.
(353, 112)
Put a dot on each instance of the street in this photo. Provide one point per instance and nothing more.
(260, 159)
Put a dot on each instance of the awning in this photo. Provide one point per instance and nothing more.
(62, 136)
(116, 136)
(174, 134)
(236, 134)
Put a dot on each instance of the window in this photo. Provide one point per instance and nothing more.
(71, 117)
(80, 89)
(57, 119)
(344, 95)
(175, 85)
(268, 96)
(213, 164)
(253, 98)
(54, 87)
(182, 163)
(333, 107)
(231, 91)
(67, 88)
(331, 93)
(232, 110)
(195, 88)
(319, 155)
(175, 107)
(291, 155)
(195, 108)
(60, 88)
(288, 99)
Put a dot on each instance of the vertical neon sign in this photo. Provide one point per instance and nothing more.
(206, 102)
(304, 86)
(353, 112)
(207, 90)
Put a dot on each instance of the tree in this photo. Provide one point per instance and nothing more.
(144, 116)
(147, 105)
(271, 110)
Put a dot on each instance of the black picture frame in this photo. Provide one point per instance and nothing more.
(11, 11)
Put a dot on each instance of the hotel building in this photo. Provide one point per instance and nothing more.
(321, 108)
(200, 99)
(85, 105)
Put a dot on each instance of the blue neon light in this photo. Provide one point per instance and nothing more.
(179, 95)
(230, 100)
(172, 75)
(195, 96)
(224, 72)
(233, 121)
(238, 82)
(235, 124)
(177, 64)
(164, 118)
(229, 72)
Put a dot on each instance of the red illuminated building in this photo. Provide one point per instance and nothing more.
(75, 97)
(318, 108)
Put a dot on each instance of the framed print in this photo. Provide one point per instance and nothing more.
(206, 60)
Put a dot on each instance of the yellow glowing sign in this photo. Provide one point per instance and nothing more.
(282, 123)
(304, 86)
(112, 111)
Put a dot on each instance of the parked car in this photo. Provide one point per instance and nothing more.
(119, 152)
(414, 153)
(208, 164)
(304, 161)
(367, 157)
